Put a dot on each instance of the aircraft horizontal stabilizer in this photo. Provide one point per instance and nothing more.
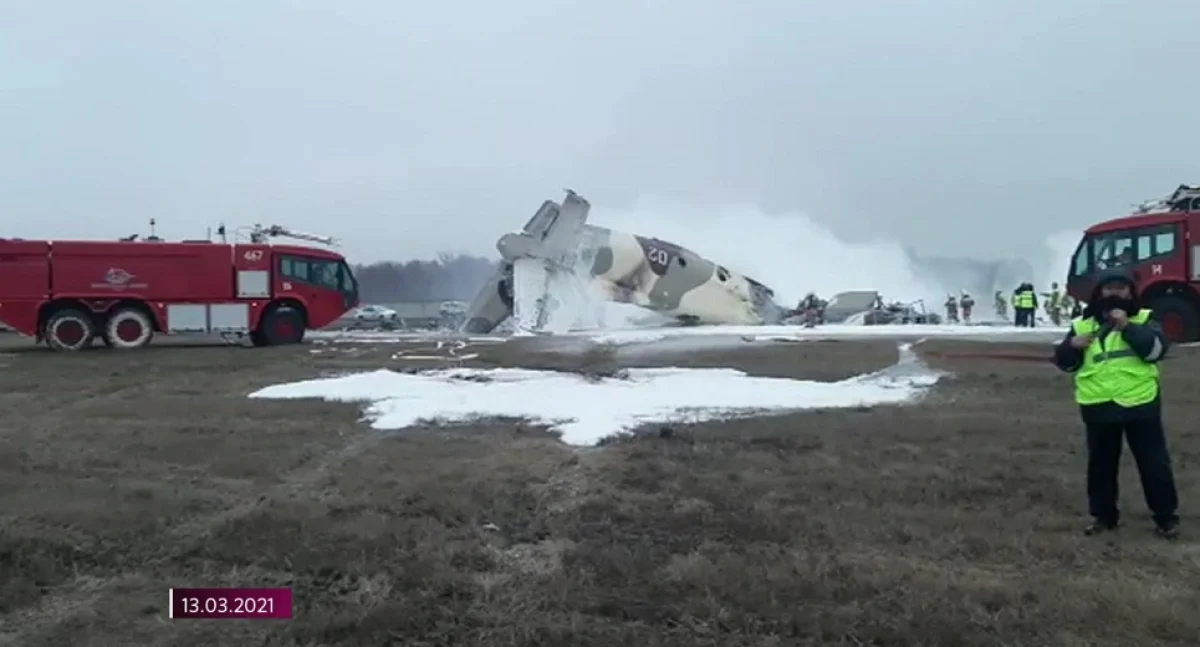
(553, 234)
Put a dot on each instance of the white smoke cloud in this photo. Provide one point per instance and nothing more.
(789, 252)
(1055, 265)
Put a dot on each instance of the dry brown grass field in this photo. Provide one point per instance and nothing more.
(953, 522)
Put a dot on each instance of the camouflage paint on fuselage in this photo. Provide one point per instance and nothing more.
(671, 279)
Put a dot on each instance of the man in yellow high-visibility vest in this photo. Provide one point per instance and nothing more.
(1025, 305)
(1113, 349)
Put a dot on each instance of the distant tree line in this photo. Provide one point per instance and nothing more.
(448, 277)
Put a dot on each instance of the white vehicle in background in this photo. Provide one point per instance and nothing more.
(376, 315)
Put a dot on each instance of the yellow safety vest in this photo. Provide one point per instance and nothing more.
(1023, 300)
(1111, 371)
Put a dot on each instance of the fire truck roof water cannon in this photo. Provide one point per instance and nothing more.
(69, 293)
(1155, 245)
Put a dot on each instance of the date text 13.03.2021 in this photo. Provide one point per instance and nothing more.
(266, 603)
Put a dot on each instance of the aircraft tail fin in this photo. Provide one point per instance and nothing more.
(562, 239)
(549, 290)
(540, 283)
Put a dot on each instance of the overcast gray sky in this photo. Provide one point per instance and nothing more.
(405, 127)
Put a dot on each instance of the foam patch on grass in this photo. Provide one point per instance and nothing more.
(586, 409)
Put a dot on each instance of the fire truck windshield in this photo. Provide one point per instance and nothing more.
(1123, 248)
(335, 275)
(1113, 250)
(325, 274)
(349, 283)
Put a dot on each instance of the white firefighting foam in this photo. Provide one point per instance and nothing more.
(584, 409)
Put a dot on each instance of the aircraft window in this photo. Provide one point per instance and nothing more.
(682, 262)
(722, 275)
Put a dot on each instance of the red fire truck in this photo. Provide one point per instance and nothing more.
(1154, 244)
(70, 293)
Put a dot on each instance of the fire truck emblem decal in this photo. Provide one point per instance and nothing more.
(118, 278)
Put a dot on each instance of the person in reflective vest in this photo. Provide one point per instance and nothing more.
(1018, 311)
(1113, 349)
(1024, 303)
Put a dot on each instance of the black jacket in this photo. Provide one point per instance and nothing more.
(1146, 340)
(1023, 288)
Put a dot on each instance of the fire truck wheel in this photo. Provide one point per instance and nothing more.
(1179, 320)
(128, 328)
(70, 330)
(282, 326)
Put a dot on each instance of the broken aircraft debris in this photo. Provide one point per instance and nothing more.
(559, 269)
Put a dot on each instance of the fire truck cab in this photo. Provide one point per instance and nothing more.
(1155, 245)
(70, 293)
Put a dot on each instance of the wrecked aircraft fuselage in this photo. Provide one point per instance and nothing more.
(557, 270)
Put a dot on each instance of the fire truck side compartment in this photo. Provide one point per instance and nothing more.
(150, 271)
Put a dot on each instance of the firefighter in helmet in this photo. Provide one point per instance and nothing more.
(967, 304)
(951, 309)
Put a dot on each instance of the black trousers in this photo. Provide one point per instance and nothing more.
(1148, 443)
